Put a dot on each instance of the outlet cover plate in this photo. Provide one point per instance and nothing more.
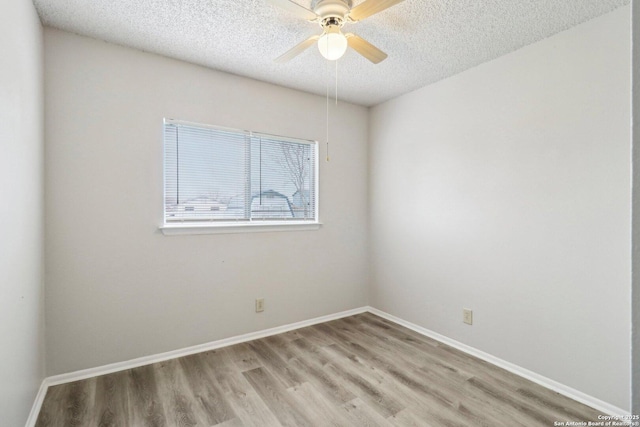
(467, 316)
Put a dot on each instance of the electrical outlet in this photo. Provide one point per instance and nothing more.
(259, 305)
(467, 316)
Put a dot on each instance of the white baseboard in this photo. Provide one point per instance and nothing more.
(146, 360)
(600, 405)
(574, 394)
(161, 357)
(37, 404)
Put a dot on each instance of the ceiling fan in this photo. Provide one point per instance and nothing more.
(332, 15)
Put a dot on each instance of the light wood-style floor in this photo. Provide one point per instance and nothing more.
(357, 371)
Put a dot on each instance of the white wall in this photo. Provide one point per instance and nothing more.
(21, 187)
(116, 287)
(635, 371)
(506, 189)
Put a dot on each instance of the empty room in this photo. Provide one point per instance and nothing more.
(320, 213)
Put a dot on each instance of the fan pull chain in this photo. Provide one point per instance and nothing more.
(336, 82)
(327, 81)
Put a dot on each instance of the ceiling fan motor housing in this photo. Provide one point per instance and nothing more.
(332, 12)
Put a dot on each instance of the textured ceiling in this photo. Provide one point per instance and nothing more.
(427, 40)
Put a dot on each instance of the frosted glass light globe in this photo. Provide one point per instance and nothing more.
(332, 44)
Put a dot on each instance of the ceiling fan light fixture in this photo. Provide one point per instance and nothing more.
(332, 44)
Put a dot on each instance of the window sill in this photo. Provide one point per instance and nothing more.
(182, 229)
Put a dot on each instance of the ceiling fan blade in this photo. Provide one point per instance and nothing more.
(295, 8)
(297, 50)
(365, 48)
(370, 7)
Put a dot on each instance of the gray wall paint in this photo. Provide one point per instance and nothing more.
(506, 189)
(21, 187)
(635, 392)
(116, 287)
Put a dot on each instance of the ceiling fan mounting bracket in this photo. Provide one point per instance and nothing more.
(331, 12)
(314, 3)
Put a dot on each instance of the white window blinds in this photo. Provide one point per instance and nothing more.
(230, 176)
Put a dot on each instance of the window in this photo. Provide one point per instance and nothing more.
(218, 176)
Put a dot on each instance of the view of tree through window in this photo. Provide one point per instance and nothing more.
(215, 174)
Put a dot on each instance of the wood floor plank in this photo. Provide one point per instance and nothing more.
(391, 352)
(69, 406)
(560, 405)
(361, 370)
(389, 363)
(435, 378)
(413, 394)
(206, 393)
(416, 352)
(304, 364)
(362, 415)
(406, 418)
(234, 422)
(313, 336)
(311, 351)
(52, 413)
(392, 328)
(451, 392)
(471, 366)
(324, 412)
(244, 357)
(111, 407)
(525, 408)
(275, 364)
(276, 397)
(145, 407)
(242, 398)
(443, 398)
(281, 347)
(439, 368)
(179, 405)
(368, 391)
(535, 417)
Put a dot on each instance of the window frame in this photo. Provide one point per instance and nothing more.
(235, 226)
